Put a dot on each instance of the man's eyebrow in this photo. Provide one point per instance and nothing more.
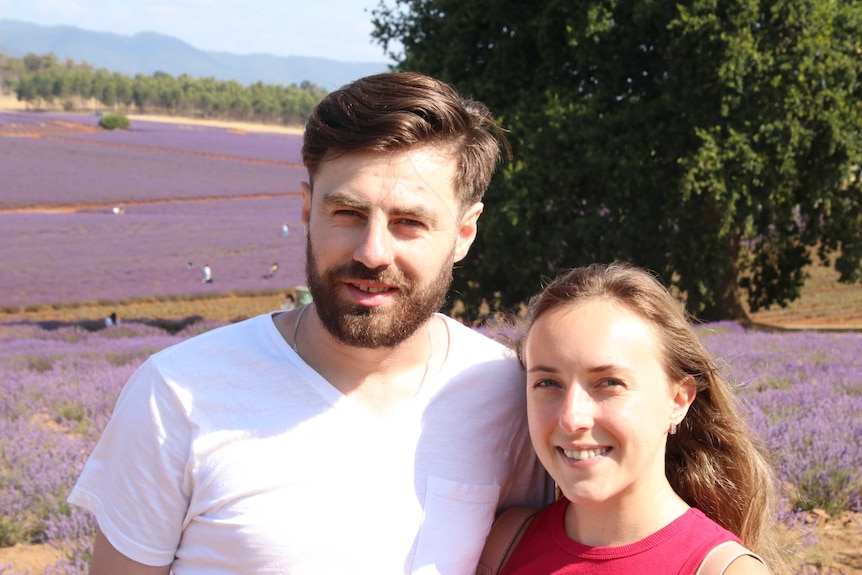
(416, 211)
(344, 199)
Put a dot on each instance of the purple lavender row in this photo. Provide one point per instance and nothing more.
(282, 148)
(52, 410)
(150, 250)
(43, 119)
(216, 141)
(61, 173)
(805, 392)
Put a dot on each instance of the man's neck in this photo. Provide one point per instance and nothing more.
(381, 379)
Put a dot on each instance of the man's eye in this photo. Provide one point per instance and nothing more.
(411, 223)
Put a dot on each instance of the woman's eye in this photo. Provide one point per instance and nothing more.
(610, 383)
(545, 383)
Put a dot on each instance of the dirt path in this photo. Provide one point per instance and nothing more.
(36, 558)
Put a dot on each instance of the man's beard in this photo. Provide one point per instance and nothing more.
(373, 327)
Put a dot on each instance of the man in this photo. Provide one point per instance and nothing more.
(360, 433)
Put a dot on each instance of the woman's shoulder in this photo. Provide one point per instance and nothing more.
(745, 565)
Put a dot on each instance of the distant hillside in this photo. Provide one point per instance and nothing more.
(147, 52)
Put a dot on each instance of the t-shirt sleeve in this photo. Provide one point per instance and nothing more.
(135, 481)
(530, 486)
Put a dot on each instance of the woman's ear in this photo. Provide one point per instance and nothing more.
(683, 395)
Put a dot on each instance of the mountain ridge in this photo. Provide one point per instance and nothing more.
(150, 52)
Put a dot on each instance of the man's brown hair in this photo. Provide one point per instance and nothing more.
(401, 111)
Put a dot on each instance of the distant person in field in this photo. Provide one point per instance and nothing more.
(362, 433)
(111, 319)
(207, 273)
(643, 435)
(272, 269)
(285, 230)
(289, 301)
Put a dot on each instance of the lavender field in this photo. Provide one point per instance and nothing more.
(82, 174)
(262, 146)
(57, 390)
(92, 215)
(96, 255)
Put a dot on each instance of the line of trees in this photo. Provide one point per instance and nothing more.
(44, 81)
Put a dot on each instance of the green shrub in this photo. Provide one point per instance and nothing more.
(114, 122)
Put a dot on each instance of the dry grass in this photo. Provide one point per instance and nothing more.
(226, 307)
(825, 304)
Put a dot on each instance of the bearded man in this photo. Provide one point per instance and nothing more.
(361, 433)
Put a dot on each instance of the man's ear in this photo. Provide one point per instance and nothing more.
(467, 230)
(305, 191)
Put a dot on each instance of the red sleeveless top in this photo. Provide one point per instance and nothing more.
(678, 548)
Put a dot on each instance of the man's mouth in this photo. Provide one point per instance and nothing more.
(369, 289)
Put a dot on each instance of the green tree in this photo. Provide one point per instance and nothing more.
(123, 89)
(79, 81)
(26, 90)
(144, 92)
(103, 88)
(716, 142)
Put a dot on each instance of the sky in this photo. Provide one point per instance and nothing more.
(334, 29)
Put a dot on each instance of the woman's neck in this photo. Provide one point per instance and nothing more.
(623, 520)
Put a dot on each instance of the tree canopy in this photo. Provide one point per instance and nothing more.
(715, 142)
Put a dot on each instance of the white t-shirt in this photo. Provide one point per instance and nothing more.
(226, 453)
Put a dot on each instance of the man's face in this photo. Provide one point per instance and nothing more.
(384, 231)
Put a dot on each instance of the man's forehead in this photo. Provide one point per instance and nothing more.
(411, 177)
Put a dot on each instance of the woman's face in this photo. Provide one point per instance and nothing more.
(599, 402)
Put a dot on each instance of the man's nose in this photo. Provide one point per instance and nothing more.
(374, 249)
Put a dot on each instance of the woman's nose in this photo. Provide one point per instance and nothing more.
(577, 409)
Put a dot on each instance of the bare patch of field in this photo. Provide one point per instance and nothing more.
(825, 304)
(33, 559)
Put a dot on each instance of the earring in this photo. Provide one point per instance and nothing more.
(674, 427)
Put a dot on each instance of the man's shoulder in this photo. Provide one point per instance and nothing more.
(232, 335)
(480, 339)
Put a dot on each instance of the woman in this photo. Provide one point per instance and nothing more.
(642, 434)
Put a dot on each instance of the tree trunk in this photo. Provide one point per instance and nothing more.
(727, 301)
